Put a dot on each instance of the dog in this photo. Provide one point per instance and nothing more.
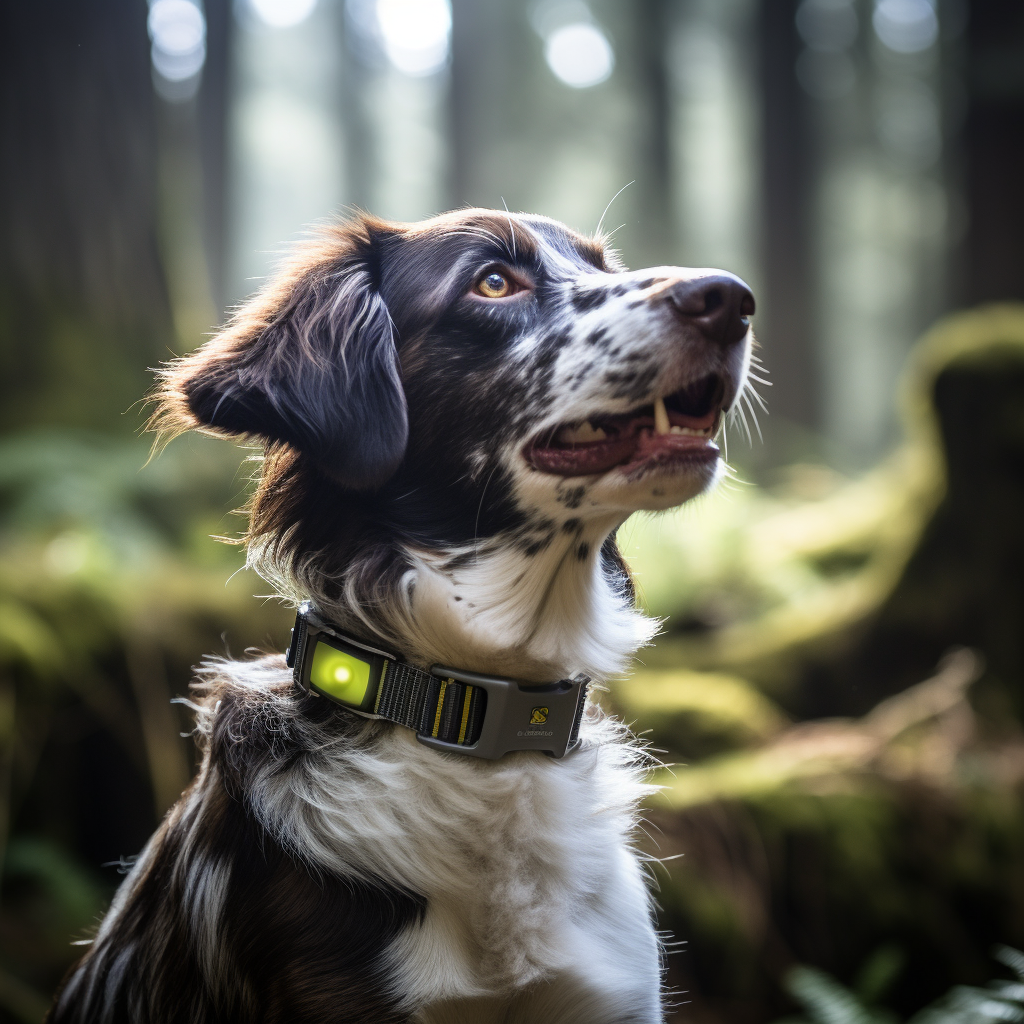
(457, 416)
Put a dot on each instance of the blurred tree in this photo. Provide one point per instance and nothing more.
(786, 318)
(84, 299)
(993, 252)
(83, 305)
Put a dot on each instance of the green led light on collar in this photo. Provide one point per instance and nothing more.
(339, 674)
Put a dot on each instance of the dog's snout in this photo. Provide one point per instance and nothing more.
(718, 304)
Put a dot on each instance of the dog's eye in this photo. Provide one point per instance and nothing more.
(495, 286)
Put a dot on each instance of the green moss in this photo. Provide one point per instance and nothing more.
(695, 714)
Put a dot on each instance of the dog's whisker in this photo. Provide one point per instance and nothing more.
(743, 411)
(757, 397)
(511, 229)
(753, 413)
(604, 213)
(745, 424)
(480, 505)
(736, 415)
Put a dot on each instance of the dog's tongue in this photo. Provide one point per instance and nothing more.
(597, 457)
(585, 460)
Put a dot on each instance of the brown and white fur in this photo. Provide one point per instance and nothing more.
(458, 415)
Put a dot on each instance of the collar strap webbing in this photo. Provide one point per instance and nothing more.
(463, 712)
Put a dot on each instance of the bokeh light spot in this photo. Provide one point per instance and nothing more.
(178, 31)
(906, 26)
(177, 27)
(415, 34)
(283, 13)
(580, 55)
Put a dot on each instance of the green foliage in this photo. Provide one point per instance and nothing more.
(86, 490)
(70, 890)
(111, 587)
(696, 714)
(825, 1001)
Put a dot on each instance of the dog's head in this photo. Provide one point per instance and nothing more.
(486, 370)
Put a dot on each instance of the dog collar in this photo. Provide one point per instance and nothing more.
(460, 712)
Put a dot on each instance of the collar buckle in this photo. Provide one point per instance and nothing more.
(520, 716)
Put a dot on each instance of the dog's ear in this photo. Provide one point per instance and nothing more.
(311, 361)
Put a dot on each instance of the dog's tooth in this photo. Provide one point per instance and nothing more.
(582, 434)
(661, 423)
(675, 430)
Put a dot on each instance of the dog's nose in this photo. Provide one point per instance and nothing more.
(718, 304)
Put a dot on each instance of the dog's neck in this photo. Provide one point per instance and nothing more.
(497, 607)
(538, 616)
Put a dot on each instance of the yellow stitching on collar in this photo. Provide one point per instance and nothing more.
(465, 712)
(440, 705)
(380, 686)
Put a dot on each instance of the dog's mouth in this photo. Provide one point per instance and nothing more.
(677, 428)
